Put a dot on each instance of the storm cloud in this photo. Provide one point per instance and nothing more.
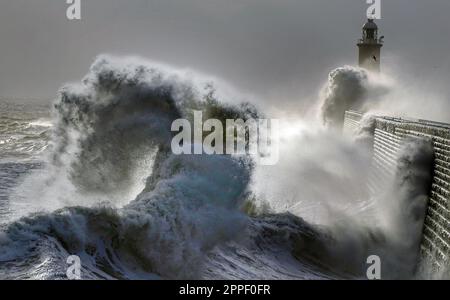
(280, 51)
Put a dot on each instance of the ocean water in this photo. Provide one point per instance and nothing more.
(24, 136)
(91, 174)
(38, 253)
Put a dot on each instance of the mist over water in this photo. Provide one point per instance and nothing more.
(110, 190)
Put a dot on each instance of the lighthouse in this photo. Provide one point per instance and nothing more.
(370, 47)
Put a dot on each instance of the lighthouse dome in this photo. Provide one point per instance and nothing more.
(370, 24)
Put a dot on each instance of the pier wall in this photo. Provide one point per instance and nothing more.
(388, 136)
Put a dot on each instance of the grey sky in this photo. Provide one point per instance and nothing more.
(277, 49)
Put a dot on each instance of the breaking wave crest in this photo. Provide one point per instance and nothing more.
(106, 128)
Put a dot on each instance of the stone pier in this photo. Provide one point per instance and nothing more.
(388, 135)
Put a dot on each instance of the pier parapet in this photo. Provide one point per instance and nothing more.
(388, 136)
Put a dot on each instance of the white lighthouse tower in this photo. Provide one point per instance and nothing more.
(370, 47)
